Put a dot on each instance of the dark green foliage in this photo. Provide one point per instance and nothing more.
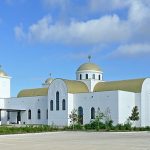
(135, 114)
(27, 129)
(77, 127)
(94, 125)
(109, 124)
(127, 126)
(87, 127)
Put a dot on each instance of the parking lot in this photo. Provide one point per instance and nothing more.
(77, 141)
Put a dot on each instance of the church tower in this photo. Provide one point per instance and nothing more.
(90, 74)
(4, 84)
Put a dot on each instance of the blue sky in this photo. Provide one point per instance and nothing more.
(56, 36)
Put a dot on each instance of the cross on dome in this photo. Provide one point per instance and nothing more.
(89, 57)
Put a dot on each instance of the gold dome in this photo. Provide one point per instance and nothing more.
(3, 73)
(89, 66)
(48, 81)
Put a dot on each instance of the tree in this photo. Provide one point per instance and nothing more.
(135, 114)
(99, 117)
(73, 117)
(107, 117)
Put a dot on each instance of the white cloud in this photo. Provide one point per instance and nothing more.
(132, 50)
(19, 32)
(104, 5)
(103, 30)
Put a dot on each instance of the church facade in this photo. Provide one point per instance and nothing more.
(54, 101)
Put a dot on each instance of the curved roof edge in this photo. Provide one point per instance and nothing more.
(33, 92)
(134, 85)
(74, 86)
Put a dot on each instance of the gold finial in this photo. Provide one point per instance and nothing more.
(89, 57)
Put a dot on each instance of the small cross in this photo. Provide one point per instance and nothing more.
(50, 75)
(89, 57)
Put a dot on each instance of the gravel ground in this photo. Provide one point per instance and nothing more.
(77, 141)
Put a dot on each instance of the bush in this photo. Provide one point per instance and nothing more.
(78, 127)
(87, 127)
(127, 126)
(109, 125)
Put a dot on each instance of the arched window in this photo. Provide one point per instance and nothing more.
(80, 115)
(39, 114)
(29, 114)
(99, 77)
(8, 115)
(0, 115)
(63, 104)
(93, 76)
(80, 76)
(47, 114)
(51, 105)
(86, 76)
(57, 100)
(92, 113)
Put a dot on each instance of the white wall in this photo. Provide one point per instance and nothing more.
(90, 74)
(2, 113)
(138, 104)
(91, 83)
(126, 103)
(103, 100)
(145, 103)
(70, 105)
(26, 103)
(4, 87)
(58, 117)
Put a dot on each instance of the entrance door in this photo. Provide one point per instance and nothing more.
(18, 117)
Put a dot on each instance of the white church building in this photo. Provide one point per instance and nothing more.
(53, 102)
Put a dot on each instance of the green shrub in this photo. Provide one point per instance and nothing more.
(127, 126)
(87, 127)
(78, 127)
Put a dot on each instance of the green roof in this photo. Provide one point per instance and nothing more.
(72, 86)
(134, 85)
(76, 86)
(33, 92)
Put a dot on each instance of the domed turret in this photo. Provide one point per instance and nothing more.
(48, 81)
(88, 71)
(2, 72)
(89, 66)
